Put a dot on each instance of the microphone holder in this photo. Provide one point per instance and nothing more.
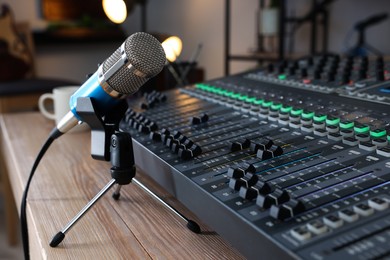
(108, 144)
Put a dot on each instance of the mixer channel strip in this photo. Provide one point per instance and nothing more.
(285, 161)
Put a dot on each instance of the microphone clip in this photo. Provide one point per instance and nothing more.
(102, 126)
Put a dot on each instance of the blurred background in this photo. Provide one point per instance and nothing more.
(195, 22)
(67, 39)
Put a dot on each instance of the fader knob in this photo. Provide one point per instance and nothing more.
(287, 210)
(155, 136)
(196, 120)
(255, 190)
(196, 150)
(185, 154)
(235, 173)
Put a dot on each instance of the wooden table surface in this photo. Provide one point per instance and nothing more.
(135, 227)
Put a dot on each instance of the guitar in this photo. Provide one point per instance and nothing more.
(15, 55)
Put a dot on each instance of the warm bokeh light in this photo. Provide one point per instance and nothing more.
(115, 10)
(172, 47)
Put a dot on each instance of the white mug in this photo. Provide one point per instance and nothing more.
(60, 98)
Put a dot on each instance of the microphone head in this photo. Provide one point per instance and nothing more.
(145, 59)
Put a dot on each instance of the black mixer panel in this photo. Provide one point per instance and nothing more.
(290, 161)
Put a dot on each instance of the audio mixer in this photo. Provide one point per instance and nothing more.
(289, 161)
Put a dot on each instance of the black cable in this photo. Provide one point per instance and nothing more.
(23, 215)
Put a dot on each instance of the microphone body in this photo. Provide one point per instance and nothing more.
(92, 88)
(138, 59)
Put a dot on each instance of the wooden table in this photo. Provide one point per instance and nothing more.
(135, 227)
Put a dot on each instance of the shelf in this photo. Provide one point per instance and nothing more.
(78, 35)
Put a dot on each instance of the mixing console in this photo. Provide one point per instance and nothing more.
(290, 161)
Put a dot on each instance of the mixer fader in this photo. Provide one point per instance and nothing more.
(288, 161)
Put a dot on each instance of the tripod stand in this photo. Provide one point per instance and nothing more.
(107, 143)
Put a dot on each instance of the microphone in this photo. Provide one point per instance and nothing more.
(138, 59)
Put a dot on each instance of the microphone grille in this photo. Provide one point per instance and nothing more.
(144, 53)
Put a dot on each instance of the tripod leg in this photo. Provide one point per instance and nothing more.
(117, 192)
(61, 235)
(191, 225)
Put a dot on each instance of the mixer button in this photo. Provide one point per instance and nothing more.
(333, 221)
(360, 84)
(361, 128)
(378, 133)
(367, 146)
(320, 132)
(273, 118)
(332, 128)
(350, 141)
(378, 204)
(295, 124)
(348, 215)
(363, 209)
(363, 137)
(380, 142)
(317, 227)
(319, 125)
(346, 133)
(306, 121)
(331, 120)
(235, 173)
(307, 128)
(301, 233)
(335, 136)
(384, 151)
(295, 117)
(283, 121)
(284, 115)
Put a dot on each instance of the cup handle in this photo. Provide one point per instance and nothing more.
(42, 108)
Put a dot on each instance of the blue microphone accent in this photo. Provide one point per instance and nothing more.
(91, 88)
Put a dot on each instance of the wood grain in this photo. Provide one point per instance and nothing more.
(135, 227)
